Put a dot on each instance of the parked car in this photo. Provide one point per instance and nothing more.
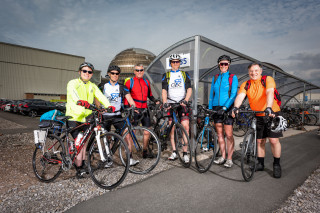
(35, 107)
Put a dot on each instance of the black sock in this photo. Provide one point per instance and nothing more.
(261, 160)
(184, 153)
(175, 151)
(130, 155)
(276, 160)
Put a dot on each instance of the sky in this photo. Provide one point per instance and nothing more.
(285, 33)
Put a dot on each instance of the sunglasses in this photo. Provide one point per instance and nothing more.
(114, 73)
(224, 64)
(140, 70)
(175, 62)
(85, 71)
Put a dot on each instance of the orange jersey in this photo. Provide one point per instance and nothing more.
(257, 95)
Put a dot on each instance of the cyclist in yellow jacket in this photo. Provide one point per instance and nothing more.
(82, 89)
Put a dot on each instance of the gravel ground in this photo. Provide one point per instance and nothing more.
(22, 192)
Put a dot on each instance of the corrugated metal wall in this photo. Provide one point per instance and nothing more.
(28, 70)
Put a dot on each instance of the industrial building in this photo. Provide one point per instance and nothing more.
(30, 73)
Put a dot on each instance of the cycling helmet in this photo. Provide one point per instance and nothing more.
(278, 124)
(174, 57)
(224, 57)
(114, 67)
(86, 64)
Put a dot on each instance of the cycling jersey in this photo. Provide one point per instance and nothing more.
(257, 94)
(115, 94)
(78, 90)
(219, 94)
(177, 86)
(140, 92)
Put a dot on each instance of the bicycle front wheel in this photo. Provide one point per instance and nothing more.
(248, 155)
(47, 160)
(182, 143)
(206, 149)
(146, 157)
(240, 127)
(109, 165)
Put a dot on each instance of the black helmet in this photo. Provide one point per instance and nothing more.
(86, 64)
(114, 67)
(224, 57)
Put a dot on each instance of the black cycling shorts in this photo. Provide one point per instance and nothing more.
(219, 118)
(145, 121)
(263, 131)
(117, 125)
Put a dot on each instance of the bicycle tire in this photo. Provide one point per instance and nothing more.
(181, 142)
(240, 127)
(112, 172)
(206, 149)
(47, 160)
(311, 119)
(145, 165)
(248, 155)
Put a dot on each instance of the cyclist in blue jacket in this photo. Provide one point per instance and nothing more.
(222, 95)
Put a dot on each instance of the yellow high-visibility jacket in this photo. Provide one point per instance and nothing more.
(78, 90)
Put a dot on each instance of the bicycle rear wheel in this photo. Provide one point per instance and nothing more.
(206, 149)
(148, 162)
(182, 143)
(111, 172)
(248, 155)
(47, 160)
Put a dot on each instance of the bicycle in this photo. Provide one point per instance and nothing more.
(241, 125)
(136, 134)
(249, 150)
(206, 147)
(107, 171)
(163, 129)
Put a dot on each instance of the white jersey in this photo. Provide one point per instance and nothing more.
(176, 87)
(114, 97)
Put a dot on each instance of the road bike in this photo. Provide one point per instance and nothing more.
(54, 154)
(248, 147)
(137, 135)
(163, 129)
(206, 147)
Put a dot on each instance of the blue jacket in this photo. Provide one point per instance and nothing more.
(219, 94)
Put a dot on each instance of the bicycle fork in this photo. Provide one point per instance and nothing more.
(98, 132)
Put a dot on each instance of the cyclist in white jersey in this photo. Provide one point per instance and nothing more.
(177, 89)
(115, 93)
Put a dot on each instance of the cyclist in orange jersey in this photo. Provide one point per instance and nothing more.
(261, 98)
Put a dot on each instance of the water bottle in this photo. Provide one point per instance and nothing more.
(71, 147)
(78, 140)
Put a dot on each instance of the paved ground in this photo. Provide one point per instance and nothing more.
(218, 190)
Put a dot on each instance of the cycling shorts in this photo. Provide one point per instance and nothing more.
(183, 113)
(219, 118)
(145, 121)
(117, 125)
(263, 131)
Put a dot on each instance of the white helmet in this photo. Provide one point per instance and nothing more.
(174, 57)
(279, 124)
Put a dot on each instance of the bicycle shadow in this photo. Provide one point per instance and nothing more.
(232, 174)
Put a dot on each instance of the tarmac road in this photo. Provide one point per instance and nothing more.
(218, 190)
